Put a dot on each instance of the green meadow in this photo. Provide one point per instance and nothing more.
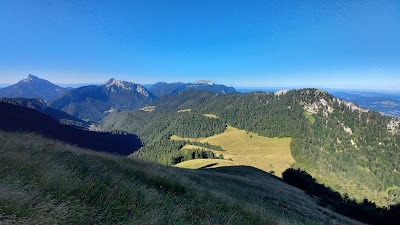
(248, 148)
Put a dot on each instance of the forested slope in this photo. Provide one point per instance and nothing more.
(351, 149)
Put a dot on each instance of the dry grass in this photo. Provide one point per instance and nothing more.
(43, 181)
(184, 110)
(248, 148)
(195, 147)
(211, 116)
(206, 163)
(148, 108)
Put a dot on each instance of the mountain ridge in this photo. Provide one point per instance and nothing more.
(94, 102)
(160, 89)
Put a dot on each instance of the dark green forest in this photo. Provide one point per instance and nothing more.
(156, 128)
(347, 148)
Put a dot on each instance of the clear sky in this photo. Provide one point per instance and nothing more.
(337, 44)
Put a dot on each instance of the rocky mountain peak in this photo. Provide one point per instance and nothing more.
(115, 85)
(281, 92)
(30, 78)
(114, 82)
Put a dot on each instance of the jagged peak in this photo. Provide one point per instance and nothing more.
(30, 78)
(113, 81)
(208, 82)
(124, 85)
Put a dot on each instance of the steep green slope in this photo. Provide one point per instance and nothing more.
(348, 148)
(43, 181)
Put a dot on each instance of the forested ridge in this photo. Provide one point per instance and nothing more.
(340, 144)
(156, 128)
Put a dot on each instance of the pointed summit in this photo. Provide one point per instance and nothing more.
(118, 84)
(33, 87)
(31, 76)
(115, 82)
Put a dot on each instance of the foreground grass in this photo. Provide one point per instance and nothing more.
(43, 181)
(248, 148)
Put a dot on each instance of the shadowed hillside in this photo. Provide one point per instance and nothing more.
(39, 105)
(19, 118)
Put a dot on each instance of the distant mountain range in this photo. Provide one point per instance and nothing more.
(94, 102)
(33, 87)
(103, 102)
(161, 88)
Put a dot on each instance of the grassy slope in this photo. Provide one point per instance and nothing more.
(211, 116)
(309, 116)
(43, 181)
(206, 163)
(248, 148)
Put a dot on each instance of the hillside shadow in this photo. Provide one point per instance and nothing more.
(209, 165)
(244, 171)
(364, 211)
(21, 119)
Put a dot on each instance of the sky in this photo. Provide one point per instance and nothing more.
(331, 44)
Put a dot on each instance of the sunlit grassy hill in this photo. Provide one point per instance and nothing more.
(248, 148)
(43, 181)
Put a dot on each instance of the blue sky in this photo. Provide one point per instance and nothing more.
(336, 44)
